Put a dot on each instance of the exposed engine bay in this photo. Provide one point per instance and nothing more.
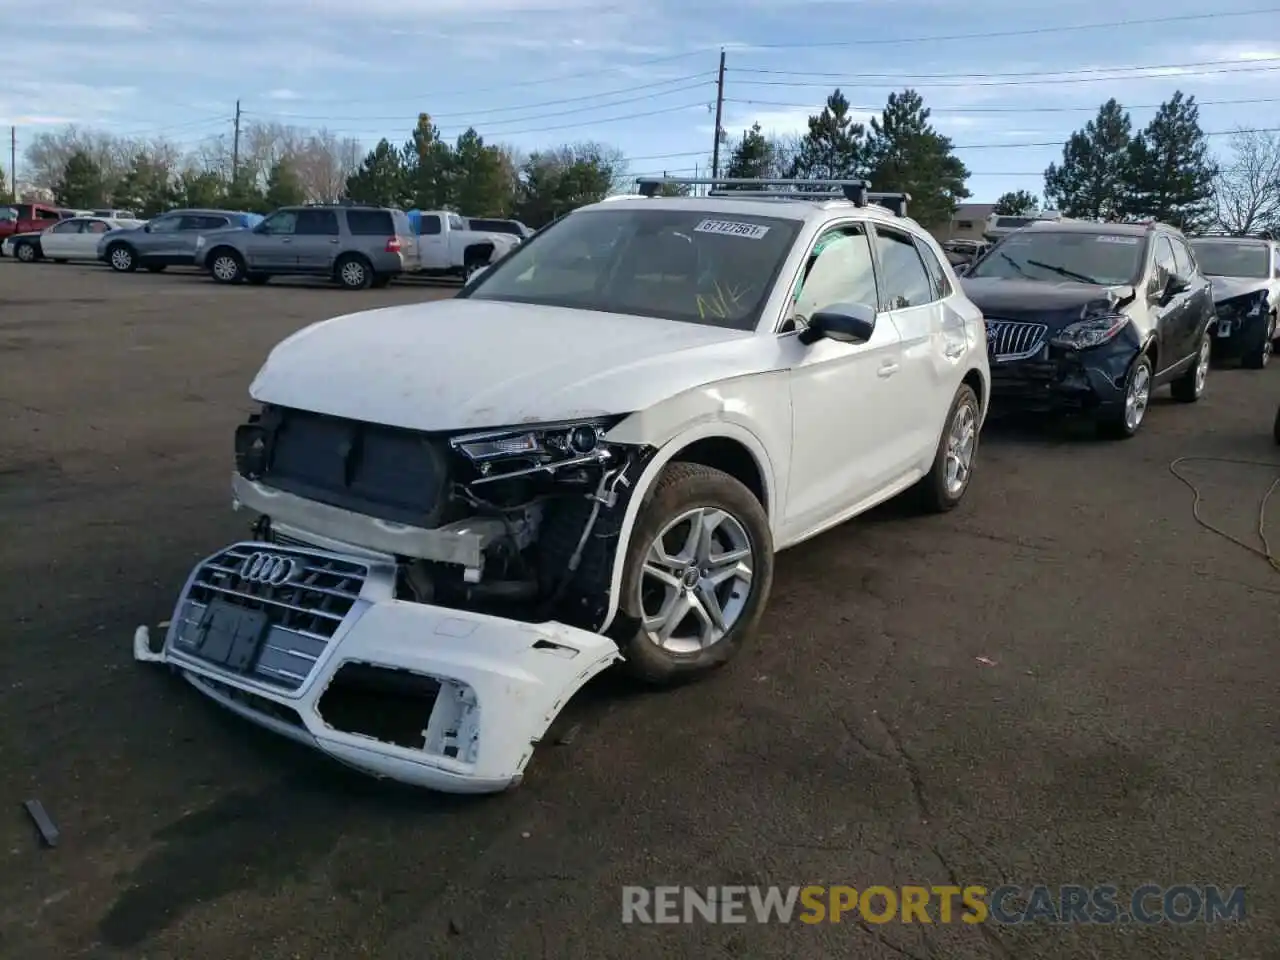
(520, 522)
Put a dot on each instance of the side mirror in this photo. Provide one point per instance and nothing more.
(843, 322)
(1172, 287)
(477, 273)
(146, 228)
(963, 268)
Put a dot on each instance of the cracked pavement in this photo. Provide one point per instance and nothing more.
(1066, 681)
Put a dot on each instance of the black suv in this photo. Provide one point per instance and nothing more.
(1091, 317)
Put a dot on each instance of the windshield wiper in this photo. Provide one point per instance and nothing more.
(1012, 262)
(1064, 272)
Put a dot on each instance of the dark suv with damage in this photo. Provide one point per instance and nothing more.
(1091, 317)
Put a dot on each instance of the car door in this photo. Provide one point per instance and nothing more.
(1166, 313)
(932, 342)
(159, 243)
(841, 393)
(431, 242)
(269, 246)
(58, 242)
(1197, 312)
(316, 239)
(190, 227)
(86, 241)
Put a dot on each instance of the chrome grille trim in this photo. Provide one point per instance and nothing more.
(302, 616)
(1014, 339)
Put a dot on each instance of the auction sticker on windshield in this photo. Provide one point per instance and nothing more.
(1127, 241)
(732, 228)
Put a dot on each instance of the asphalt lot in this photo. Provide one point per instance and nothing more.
(1067, 681)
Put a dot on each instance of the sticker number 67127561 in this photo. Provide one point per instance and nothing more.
(732, 228)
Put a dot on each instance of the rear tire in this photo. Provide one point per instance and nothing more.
(948, 480)
(226, 266)
(686, 494)
(353, 272)
(1259, 353)
(121, 258)
(26, 252)
(1189, 387)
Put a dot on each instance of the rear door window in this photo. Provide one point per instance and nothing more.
(317, 223)
(371, 223)
(429, 226)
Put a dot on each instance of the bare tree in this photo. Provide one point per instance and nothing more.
(48, 153)
(1247, 188)
(323, 162)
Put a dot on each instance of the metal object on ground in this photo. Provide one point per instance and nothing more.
(44, 823)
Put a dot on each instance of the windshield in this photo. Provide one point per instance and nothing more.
(1056, 255)
(1219, 259)
(684, 265)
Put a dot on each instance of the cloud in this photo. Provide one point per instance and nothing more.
(30, 102)
(283, 93)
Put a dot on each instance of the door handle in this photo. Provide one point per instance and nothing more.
(286, 239)
(887, 369)
(334, 241)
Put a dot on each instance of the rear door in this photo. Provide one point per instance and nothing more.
(1198, 312)
(431, 243)
(316, 239)
(87, 239)
(1169, 315)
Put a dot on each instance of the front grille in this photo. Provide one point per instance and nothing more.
(379, 471)
(1014, 339)
(272, 633)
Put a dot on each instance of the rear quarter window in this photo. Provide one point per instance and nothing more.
(370, 223)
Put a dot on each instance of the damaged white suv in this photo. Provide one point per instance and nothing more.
(466, 509)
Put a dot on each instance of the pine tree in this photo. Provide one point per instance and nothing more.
(481, 179)
(429, 168)
(1016, 202)
(81, 184)
(381, 179)
(753, 158)
(145, 188)
(284, 188)
(1169, 173)
(834, 148)
(1092, 179)
(905, 153)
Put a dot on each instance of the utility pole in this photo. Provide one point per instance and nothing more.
(235, 147)
(13, 164)
(715, 153)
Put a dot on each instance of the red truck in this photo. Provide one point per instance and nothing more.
(26, 218)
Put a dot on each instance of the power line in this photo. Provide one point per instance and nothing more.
(704, 78)
(899, 81)
(1005, 74)
(932, 110)
(1030, 32)
(1059, 143)
(521, 119)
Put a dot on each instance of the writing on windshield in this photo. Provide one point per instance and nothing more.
(1053, 256)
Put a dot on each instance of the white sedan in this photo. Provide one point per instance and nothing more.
(73, 239)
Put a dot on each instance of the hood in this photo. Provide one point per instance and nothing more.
(472, 364)
(1226, 288)
(1056, 304)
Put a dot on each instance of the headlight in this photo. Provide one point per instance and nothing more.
(1093, 332)
(579, 438)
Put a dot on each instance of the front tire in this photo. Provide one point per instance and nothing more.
(1189, 387)
(697, 575)
(121, 258)
(1127, 419)
(945, 485)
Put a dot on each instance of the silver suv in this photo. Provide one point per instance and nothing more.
(358, 247)
(168, 240)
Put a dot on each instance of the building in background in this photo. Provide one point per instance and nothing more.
(967, 223)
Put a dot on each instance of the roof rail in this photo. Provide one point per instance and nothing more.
(857, 192)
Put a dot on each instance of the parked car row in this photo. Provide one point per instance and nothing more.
(356, 246)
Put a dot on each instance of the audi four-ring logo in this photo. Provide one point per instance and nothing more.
(269, 569)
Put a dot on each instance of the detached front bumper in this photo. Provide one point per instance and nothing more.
(315, 646)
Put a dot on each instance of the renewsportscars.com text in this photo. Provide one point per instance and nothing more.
(1104, 904)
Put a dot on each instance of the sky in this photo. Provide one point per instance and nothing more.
(637, 74)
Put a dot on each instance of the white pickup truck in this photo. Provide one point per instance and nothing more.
(448, 247)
